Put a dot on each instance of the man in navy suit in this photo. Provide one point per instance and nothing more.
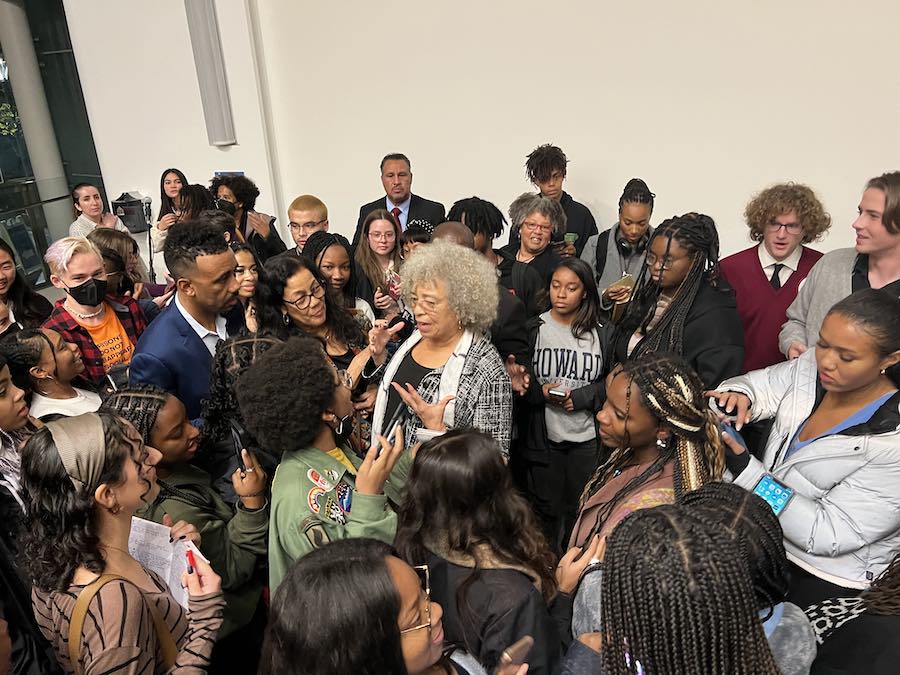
(176, 350)
(407, 208)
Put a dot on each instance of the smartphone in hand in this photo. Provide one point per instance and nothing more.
(240, 437)
(517, 653)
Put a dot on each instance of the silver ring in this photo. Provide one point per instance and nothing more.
(250, 470)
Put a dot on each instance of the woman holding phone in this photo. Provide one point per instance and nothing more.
(561, 450)
(234, 538)
(832, 461)
(491, 568)
(298, 406)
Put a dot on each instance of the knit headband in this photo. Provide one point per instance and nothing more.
(81, 445)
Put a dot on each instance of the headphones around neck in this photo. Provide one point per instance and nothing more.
(628, 249)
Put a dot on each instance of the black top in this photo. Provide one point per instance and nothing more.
(578, 220)
(509, 332)
(544, 263)
(860, 277)
(524, 281)
(500, 606)
(264, 248)
(408, 372)
(867, 644)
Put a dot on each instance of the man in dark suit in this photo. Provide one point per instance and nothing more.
(407, 208)
(176, 350)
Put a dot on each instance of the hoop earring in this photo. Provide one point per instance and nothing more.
(286, 319)
(116, 509)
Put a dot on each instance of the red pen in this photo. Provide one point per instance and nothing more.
(192, 564)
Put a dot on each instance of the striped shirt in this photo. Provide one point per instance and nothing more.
(119, 635)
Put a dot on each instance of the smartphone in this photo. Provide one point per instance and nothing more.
(730, 417)
(394, 423)
(775, 494)
(570, 237)
(557, 393)
(517, 653)
(240, 437)
(726, 428)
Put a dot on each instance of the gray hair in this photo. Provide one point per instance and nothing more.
(527, 203)
(470, 280)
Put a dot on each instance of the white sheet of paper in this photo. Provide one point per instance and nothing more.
(149, 545)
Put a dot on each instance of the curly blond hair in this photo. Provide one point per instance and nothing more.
(470, 281)
(784, 197)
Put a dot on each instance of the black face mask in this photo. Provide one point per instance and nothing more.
(90, 293)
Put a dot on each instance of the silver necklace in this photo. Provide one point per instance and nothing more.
(86, 316)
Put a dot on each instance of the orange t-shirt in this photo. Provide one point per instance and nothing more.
(111, 339)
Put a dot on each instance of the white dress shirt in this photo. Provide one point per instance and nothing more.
(210, 339)
(404, 211)
(768, 262)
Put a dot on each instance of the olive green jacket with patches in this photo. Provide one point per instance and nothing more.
(314, 501)
(233, 539)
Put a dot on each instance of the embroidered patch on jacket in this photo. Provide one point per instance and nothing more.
(318, 479)
(345, 496)
(314, 532)
(312, 499)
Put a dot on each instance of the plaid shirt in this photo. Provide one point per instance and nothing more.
(483, 399)
(130, 315)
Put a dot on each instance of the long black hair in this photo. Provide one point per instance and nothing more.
(672, 393)
(60, 532)
(697, 234)
(754, 526)
(587, 318)
(166, 205)
(677, 598)
(336, 612)
(271, 312)
(31, 308)
(460, 496)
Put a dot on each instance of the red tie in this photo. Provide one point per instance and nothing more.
(396, 212)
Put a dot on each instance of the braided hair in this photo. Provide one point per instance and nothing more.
(672, 393)
(636, 192)
(138, 404)
(883, 596)
(479, 215)
(22, 352)
(232, 357)
(753, 525)
(677, 598)
(697, 234)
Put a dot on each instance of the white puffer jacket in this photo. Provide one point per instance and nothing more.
(843, 523)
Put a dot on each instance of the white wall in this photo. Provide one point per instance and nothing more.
(156, 121)
(707, 101)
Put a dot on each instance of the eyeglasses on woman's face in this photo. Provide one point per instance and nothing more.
(425, 578)
(302, 301)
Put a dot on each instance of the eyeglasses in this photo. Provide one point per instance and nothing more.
(667, 261)
(429, 306)
(308, 226)
(317, 292)
(345, 379)
(422, 570)
(534, 227)
(382, 236)
(792, 228)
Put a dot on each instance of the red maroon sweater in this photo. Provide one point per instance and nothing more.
(762, 309)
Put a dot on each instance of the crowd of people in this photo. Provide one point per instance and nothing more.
(425, 451)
